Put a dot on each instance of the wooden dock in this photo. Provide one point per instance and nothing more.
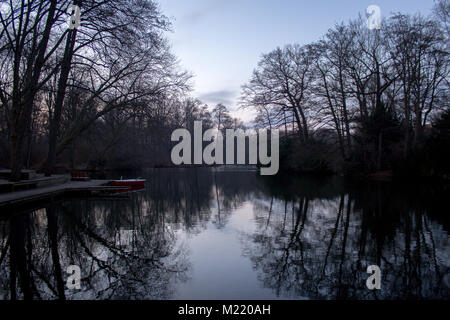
(38, 181)
(17, 198)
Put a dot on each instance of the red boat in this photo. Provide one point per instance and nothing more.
(134, 184)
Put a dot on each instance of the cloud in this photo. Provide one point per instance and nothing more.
(193, 17)
(226, 97)
(203, 10)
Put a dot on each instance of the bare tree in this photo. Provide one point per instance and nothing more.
(26, 46)
(281, 81)
(418, 50)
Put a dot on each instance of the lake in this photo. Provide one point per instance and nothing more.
(203, 234)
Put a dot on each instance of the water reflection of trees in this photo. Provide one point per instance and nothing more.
(320, 246)
(191, 198)
(313, 238)
(123, 252)
(184, 196)
(126, 249)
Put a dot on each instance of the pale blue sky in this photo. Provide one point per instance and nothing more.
(221, 41)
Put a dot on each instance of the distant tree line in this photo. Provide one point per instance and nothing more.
(361, 100)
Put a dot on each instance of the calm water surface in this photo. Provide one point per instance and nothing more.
(201, 234)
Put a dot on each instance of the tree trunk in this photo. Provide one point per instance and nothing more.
(52, 224)
(59, 101)
(22, 108)
(380, 150)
